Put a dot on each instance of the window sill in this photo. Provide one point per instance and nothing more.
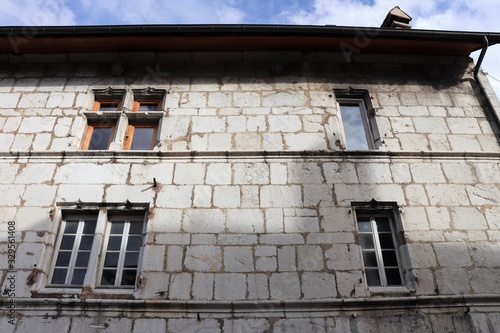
(402, 290)
(79, 293)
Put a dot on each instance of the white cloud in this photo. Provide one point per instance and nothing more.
(36, 13)
(459, 15)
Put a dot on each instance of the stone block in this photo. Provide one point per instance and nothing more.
(29, 101)
(284, 123)
(227, 196)
(230, 287)
(203, 286)
(203, 220)
(452, 254)
(203, 258)
(310, 258)
(6, 141)
(343, 257)
(274, 220)
(193, 325)
(318, 195)
(427, 173)
(39, 195)
(236, 124)
(218, 174)
(298, 224)
(237, 239)
(485, 254)
(422, 255)
(343, 173)
(284, 286)
(202, 196)
(256, 124)
(464, 125)
(287, 259)
(144, 173)
(250, 196)
(153, 258)
(150, 325)
(251, 173)
(278, 173)
(219, 142)
(246, 325)
(464, 142)
(350, 284)
(467, 218)
(245, 220)
(281, 196)
(318, 285)
(174, 259)
(402, 125)
(246, 99)
(452, 281)
(173, 196)
(189, 173)
(483, 194)
(9, 100)
(180, 286)
(434, 125)
(306, 141)
(447, 195)
(208, 124)
(238, 259)
(370, 173)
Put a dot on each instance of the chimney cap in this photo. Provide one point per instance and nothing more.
(397, 18)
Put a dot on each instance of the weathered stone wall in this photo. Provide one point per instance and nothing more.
(231, 225)
(224, 102)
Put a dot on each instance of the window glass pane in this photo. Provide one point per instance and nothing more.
(365, 226)
(128, 277)
(143, 138)
(117, 227)
(386, 241)
(393, 276)
(372, 277)
(390, 258)
(131, 260)
(136, 227)
(383, 224)
(114, 243)
(71, 227)
(108, 106)
(353, 127)
(67, 242)
(370, 259)
(82, 259)
(100, 138)
(86, 242)
(111, 259)
(134, 243)
(108, 277)
(78, 276)
(63, 258)
(145, 106)
(366, 241)
(89, 227)
(59, 276)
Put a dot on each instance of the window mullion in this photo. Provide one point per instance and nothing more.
(123, 248)
(378, 252)
(74, 251)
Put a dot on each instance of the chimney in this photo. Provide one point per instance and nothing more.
(396, 18)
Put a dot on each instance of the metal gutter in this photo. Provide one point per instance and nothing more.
(245, 30)
(482, 90)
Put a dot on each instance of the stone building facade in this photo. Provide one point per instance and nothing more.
(208, 179)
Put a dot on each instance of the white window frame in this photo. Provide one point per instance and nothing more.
(390, 210)
(99, 244)
(362, 99)
(364, 119)
(123, 246)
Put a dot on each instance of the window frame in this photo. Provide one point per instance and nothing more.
(361, 98)
(89, 131)
(74, 251)
(139, 102)
(132, 125)
(103, 217)
(390, 210)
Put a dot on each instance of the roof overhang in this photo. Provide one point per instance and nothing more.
(167, 38)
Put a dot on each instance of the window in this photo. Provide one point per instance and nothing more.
(78, 245)
(113, 125)
(358, 119)
(141, 135)
(381, 244)
(98, 135)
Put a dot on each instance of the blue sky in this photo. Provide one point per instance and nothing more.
(461, 15)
